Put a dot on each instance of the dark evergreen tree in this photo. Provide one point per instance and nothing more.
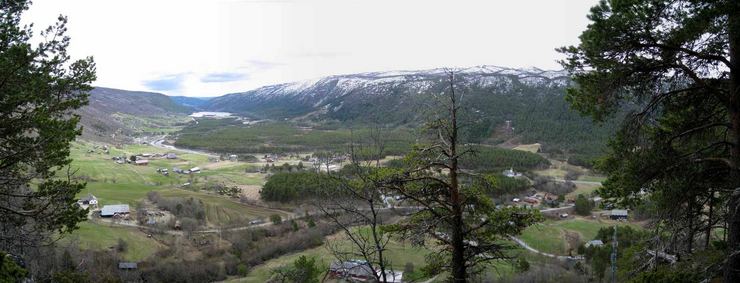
(676, 64)
(39, 90)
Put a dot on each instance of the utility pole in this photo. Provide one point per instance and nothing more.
(614, 256)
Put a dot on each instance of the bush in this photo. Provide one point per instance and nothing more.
(408, 268)
(572, 175)
(521, 265)
(583, 206)
(242, 269)
(276, 219)
(303, 269)
(122, 246)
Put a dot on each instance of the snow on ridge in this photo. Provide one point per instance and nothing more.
(349, 82)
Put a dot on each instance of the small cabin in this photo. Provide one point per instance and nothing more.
(128, 265)
(89, 200)
(618, 214)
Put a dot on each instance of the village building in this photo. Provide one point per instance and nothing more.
(511, 173)
(233, 157)
(141, 162)
(115, 210)
(171, 156)
(594, 243)
(618, 214)
(128, 265)
(195, 170)
(89, 200)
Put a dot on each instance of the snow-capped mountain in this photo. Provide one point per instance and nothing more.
(348, 97)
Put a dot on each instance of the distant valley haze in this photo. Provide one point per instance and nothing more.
(212, 48)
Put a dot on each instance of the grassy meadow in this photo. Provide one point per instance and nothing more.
(115, 183)
(550, 236)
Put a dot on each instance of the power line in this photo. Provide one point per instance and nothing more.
(614, 255)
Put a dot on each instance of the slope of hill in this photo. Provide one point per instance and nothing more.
(195, 103)
(339, 96)
(105, 117)
(531, 100)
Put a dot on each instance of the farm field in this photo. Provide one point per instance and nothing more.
(533, 148)
(582, 189)
(550, 236)
(221, 211)
(115, 183)
(102, 237)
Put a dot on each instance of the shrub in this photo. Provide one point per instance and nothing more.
(276, 219)
(583, 206)
(122, 246)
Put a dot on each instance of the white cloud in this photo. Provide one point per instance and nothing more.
(135, 41)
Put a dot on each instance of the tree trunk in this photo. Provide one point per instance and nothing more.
(732, 266)
(458, 244)
(710, 215)
(690, 236)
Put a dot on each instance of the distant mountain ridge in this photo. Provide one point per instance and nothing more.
(333, 93)
(97, 117)
(509, 105)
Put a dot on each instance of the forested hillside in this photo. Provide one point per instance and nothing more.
(531, 100)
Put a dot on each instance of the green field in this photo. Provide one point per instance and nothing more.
(583, 189)
(222, 211)
(115, 183)
(591, 178)
(103, 237)
(549, 236)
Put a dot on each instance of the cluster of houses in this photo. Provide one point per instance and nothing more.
(360, 271)
(143, 158)
(270, 158)
(536, 198)
(111, 210)
(186, 171)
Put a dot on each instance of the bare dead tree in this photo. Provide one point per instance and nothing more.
(358, 207)
(452, 208)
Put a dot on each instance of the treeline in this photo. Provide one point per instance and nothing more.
(496, 159)
(506, 186)
(286, 187)
(230, 136)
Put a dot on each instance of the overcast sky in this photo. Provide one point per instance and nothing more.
(210, 48)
